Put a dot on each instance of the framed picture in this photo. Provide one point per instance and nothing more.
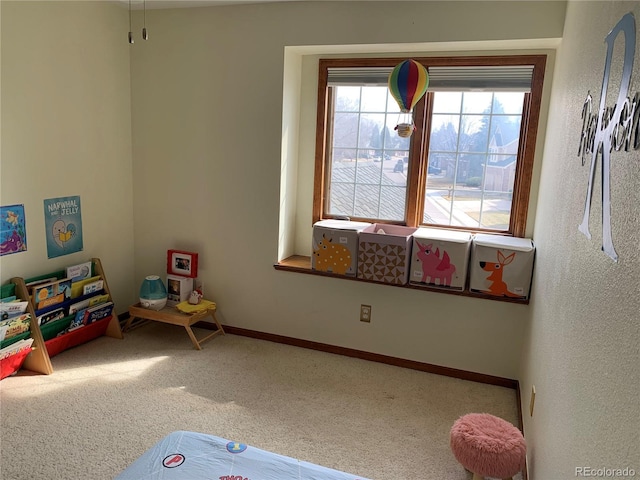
(182, 263)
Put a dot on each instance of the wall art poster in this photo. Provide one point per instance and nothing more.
(63, 224)
(13, 233)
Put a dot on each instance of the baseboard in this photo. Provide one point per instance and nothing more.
(123, 317)
(373, 357)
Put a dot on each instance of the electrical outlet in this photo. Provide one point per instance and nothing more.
(533, 400)
(365, 313)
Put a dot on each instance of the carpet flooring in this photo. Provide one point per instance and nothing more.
(110, 400)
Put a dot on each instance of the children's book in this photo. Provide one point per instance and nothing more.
(56, 314)
(90, 315)
(88, 302)
(50, 301)
(15, 326)
(93, 287)
(79, 272)
(81, 305)
(41, 281)
(77, 287)
(98, 312)
(14, 348)
(51, 293)
(93, 301)
(12, 309)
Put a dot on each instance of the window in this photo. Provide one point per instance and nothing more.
(468, 164)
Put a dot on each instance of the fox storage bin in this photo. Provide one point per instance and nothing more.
(335, 246)
(384, 253)
(501, 266)
(440, 258)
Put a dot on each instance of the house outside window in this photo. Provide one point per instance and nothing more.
(468, 164)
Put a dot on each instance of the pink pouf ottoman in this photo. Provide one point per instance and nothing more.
(488, 446)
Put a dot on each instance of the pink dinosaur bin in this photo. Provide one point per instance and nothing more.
(440, 258)
(488, 446)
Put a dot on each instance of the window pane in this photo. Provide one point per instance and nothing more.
(437, 209)
(392, 105)
(505, 133)
(345, 131)
(371, 130)
(444, 133)
(508, 102)
(447, 102)
(341, 199)
(369, 161)
(496, 210)
(471, 167)
(392, 204)
(368, 173)
(476, 102)
(343, 165)
(374, 99)
(347, 99)
(393, 140)
(474, 132)
(367, 201)
(395, 170)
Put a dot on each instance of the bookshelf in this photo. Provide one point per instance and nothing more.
(37, 360)
(56, 336)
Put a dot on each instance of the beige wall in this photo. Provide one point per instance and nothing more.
(207, 97)
(209, 157)
(66, 130)
(581, 343)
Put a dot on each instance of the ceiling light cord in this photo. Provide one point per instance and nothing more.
(130, 32)
(145, 36)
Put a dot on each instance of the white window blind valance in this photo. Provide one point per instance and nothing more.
(456, 78)
(492, 78)
(359, 76)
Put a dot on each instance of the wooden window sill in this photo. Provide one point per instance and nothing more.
(302, 264)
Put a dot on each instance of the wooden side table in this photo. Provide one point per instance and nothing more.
(175, 317)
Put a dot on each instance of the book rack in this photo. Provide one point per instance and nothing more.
(37, 360)
(49, 339)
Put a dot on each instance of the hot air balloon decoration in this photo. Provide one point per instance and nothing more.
(408, 82)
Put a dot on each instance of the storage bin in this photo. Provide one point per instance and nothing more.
(440, 258)
(11, 364)
(335, 246)
(501, 266)
(77, 337)
(52, 329)
(384, 253)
